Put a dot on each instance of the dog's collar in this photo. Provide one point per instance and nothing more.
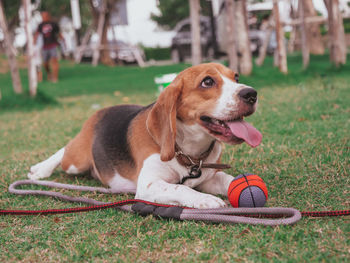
(195, 165)
(187, 161)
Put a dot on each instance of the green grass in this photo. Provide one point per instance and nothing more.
(304, 160)
(157, 53)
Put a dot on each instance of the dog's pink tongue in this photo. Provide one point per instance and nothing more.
(245, 131)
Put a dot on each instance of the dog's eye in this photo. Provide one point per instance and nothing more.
(207, 82)
(237, 78)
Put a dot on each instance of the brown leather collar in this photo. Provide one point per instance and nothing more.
(189, 161)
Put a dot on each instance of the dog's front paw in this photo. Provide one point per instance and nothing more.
(207, 201)
(39, 171)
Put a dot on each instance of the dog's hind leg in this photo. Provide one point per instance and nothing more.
(45, 168)
(77, 156)
(74, 158)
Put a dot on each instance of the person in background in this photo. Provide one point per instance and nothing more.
(50, 33)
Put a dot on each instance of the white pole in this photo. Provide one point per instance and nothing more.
(281, 49)
(304, 38)
(230, 31)
(32, 75)
(74, 5)
(16, 80)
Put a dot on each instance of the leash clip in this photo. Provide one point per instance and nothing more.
(194, 172)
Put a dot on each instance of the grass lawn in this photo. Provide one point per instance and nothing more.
(304, 160)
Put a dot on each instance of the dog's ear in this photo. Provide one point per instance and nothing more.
(161, 121)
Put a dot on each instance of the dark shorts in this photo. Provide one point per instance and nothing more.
(47, 54)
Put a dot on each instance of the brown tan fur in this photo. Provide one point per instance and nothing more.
(78, 151)
(142, 145)
(154, 130)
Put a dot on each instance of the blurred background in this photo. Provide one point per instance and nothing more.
(295, 53)
(154, 32)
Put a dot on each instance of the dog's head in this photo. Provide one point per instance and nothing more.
(207, 95)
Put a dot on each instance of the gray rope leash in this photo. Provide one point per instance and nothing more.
(219, 215)
(12, 189)
(224, 215)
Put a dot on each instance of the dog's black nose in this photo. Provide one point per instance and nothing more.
(248, 95)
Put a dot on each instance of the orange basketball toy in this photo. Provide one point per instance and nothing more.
(247, 190)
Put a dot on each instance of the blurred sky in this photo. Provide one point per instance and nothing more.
(141, 28)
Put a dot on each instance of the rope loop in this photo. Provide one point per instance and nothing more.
(268, 216)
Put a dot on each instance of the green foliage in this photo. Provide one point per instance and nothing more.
(173, 11)
(57, 9)
(158, 53)
(287, 35)
(11, 11)
(60, 8)
(346, 22)
(323, 29)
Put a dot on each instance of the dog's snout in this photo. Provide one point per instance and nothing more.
(248, 95)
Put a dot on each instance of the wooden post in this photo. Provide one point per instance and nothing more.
(80, 49)
(230, 26)
(245, 60)
(101, 21)
(263, 50)
(304, 39)
(16, 80)
(76, 19)
(293, 33)
(195, 32)
(32, 74)
(336, 35)
(281, 49)
(314, 37)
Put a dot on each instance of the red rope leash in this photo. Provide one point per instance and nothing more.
(79, 209)
(132, 201)
(325, 213)
(169, 211)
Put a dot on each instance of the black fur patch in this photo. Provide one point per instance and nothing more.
(110, 146)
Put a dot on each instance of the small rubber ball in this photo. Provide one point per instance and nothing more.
(247, 190)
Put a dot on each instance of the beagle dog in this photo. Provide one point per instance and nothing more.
(132, 148)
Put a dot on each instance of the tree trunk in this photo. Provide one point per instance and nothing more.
(336, 35)
(195, 32)
(304, 36)
(101, 51)
(294, 36)
(105, 53)
(32, 74)
(281, 49)
(314, 37)
(16, 80)
(76, 19)
(96, 50)
(230, 27)
(80, 49)
(263, 49)
(245, 55)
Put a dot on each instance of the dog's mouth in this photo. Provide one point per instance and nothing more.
(232, 131)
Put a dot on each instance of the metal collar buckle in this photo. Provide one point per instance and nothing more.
(194, 172)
